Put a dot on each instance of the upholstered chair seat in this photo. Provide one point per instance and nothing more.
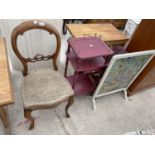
(45, 88)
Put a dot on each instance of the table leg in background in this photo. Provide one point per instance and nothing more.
(5, 120)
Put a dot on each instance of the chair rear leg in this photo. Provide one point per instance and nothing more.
(70, 102)
(27, 114)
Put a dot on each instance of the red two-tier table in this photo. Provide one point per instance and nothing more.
(88, 56)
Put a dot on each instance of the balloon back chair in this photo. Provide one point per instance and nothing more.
(44, 88)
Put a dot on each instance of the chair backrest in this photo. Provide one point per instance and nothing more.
(122, 71)
(30, 25)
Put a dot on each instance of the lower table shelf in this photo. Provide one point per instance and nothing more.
(87, 65)
(83, 84)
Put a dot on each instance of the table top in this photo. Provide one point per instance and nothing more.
(107, 31)
(6, 96)
(89, 47)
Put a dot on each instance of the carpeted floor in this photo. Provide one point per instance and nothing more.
(114, 115)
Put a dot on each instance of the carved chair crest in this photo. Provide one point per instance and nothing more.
(30, 25)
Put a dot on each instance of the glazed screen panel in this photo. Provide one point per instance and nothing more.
(122, 72)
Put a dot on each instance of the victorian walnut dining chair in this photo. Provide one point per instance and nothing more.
(44, 88)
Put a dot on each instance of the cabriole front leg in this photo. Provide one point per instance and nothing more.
(27, 114)
(70, 102)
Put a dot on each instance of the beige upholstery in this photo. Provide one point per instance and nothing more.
(45, 88)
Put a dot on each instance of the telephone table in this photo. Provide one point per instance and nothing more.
(88, 56)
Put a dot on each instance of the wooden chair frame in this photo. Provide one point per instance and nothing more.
(20, 30)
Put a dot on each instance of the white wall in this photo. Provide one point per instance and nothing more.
(32, 42)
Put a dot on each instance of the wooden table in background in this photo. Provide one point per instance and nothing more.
(6, 96)
(108, 32)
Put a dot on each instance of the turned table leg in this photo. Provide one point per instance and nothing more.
(5, 120)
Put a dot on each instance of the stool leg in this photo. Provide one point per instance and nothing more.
(5, 120)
